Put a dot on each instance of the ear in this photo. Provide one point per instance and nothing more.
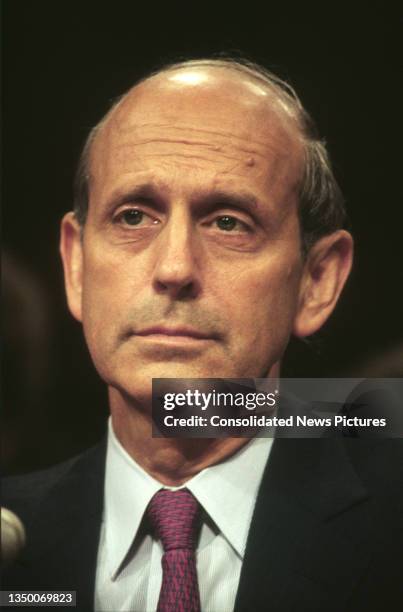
(72, 257)
(325, 273)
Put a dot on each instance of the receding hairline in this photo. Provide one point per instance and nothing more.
(290, 105)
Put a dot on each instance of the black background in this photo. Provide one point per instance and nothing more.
(63, 63)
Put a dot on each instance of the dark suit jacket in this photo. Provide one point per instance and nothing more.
(326, 533)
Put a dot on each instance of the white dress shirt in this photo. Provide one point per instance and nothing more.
(129, 572)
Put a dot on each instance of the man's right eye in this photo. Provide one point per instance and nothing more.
(132, 216)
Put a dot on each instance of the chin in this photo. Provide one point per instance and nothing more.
(137, 385)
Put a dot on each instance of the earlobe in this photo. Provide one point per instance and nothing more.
(72, 257)
(326, 271)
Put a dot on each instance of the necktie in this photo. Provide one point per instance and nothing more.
(173, 515)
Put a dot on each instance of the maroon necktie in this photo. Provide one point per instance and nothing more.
(174, 517)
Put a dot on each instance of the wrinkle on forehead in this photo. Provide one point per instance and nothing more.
(198, 135)
(123, 139)
(133, 155)
(210, 126)
(142, 137)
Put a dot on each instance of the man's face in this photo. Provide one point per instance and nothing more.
(191, 258)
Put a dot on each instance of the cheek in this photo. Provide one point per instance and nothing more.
(106, 291)
(111, 280)
(262, 298)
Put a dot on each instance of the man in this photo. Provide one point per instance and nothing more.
(207, 230)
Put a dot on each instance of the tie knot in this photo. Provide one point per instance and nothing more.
(173, 515)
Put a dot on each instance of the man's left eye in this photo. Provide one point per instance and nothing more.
(228, 223)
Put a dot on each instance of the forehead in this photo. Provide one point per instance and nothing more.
(207, 121)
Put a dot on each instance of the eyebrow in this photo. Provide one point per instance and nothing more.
(233, 199)
(144, 191)
(148, 191)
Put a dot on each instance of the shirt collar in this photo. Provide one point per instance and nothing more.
(234, 483)
(228, 490)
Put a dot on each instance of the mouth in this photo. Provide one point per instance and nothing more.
(182, 333)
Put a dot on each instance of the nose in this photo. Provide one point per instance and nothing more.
(176, 270)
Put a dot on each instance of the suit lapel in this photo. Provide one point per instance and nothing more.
(63, 548)
(309, 540)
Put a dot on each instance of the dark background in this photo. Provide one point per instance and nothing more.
(63, 63)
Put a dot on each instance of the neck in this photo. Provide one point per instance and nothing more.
(171, 461)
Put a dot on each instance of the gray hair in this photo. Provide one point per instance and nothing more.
(321, 203)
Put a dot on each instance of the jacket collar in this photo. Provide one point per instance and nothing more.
(310, 538)
(69, 520)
